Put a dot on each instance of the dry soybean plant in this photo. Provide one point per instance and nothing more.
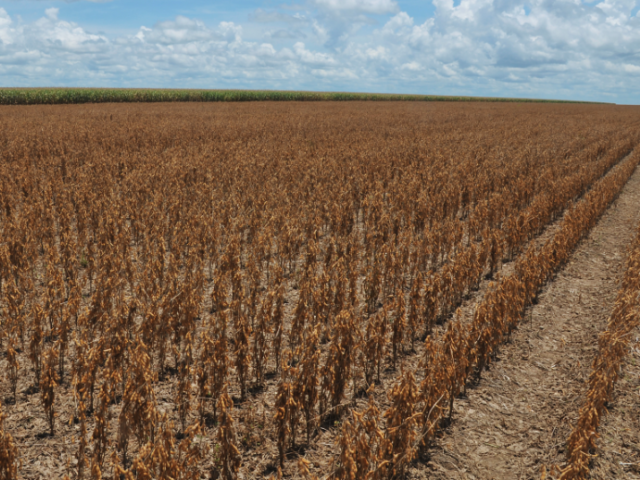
(166, 271)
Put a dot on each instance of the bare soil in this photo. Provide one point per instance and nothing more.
(515, 422)
(619, 444)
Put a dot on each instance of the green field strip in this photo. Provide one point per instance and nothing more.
(52, 96)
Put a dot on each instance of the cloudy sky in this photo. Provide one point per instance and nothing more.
(566, 49)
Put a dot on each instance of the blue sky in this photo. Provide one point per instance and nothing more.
(566, 49)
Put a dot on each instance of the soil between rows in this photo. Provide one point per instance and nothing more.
(518, 418)
(619, 443)
(51, 457)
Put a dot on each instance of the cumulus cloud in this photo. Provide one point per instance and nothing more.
(549, 46)
(179, 31)
(53, 50)
(541, 48)
(312, 58)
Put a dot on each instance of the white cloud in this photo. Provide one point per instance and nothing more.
(379, 53)
(544, 48)
(179, 31)
(6, 35)
(312, 58)
(413, 66)
(552, 47)
(399, 21)
(52, 13)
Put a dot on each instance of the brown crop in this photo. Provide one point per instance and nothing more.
(613, 346)
(204, 289)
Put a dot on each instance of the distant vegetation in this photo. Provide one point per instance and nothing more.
(38, 96)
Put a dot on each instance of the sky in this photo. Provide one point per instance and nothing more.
(559, 49)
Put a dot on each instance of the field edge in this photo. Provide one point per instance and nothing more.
(56, 95)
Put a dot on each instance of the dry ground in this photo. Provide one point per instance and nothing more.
(517, 419)
(514, 421)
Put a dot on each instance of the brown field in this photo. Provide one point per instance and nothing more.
(333, 290)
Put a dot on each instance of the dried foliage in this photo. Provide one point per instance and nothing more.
(167, 271)
(613, 345)
(8, 453)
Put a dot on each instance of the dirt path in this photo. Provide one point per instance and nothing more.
(518, 417)
(619, 442)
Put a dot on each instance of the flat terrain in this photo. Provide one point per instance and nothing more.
(53, 96)
(518, 417)
(251, 290)
(619, 444)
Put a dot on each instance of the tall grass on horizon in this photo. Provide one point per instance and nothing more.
(39, 96)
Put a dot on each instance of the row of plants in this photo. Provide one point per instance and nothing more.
(613, 346)
(50, 96)
(261, 272)
(374, 449)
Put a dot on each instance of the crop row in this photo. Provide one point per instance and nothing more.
(39, 96)
(613, 345)
(379, 450)
(164, 277)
